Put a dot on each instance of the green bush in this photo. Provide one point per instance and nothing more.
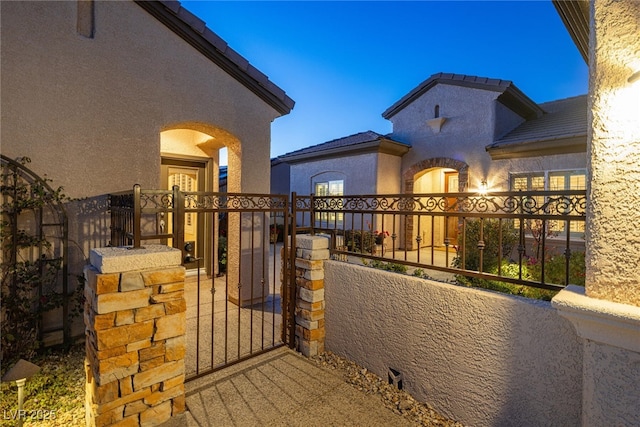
(387, 266)
(531, 269)
(491, 229)
(554, 269)
(511, 270)
(359, 241)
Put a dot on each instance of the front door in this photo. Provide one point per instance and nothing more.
(189, 175)
(451, 186)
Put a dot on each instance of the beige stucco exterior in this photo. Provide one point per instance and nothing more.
(614, 153)
(479, 357)
(96, 92)
(89, 111)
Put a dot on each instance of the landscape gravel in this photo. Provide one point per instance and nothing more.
(59, 387)
(399, 401)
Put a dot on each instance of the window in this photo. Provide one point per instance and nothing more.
(186, 179)
(552, 181)
(329, 188)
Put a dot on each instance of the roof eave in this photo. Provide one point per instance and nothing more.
(382, 145)
(510, 96)
(546, 147)
(167, 12)
(575, 17)
(514, 99)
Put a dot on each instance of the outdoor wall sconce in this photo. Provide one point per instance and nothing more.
(484, 187)
(20, 372)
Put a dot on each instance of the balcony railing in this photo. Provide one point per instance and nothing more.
(530, 238)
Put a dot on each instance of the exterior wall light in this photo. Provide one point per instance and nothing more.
(484, 187)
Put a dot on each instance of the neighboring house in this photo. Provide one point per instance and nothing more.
(364, 163)
(103, 95)
(280, 175)
(454, 133)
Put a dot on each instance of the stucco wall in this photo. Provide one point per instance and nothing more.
(474, 119)
(358, 172)
(388, 179)
(614, 153)
(89, 112)
(467, 130)
(483, 358)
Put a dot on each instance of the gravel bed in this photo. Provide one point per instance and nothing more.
(54, 397)
(399, 401)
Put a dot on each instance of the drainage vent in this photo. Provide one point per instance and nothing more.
(395, 378)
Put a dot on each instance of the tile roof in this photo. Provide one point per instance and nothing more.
(510, 95)
(564, 119)
(340, 144)
(195, 32)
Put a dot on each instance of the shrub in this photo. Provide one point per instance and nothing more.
(387, 266)
(554, 269)
(491, 229)
(359, 241)
(511, 270)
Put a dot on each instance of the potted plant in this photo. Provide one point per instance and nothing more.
(274, 233)
(380, 236)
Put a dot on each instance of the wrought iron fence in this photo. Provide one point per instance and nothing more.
(533, 238)
(244, 304)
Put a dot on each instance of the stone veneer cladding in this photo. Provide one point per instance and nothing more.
(311, 252)
(135, 342)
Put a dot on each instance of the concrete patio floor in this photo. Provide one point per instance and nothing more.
(276, 388)
(280, 388)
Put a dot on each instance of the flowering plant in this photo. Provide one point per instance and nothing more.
(380, 235)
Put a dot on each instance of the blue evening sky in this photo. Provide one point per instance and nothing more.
(344, 63)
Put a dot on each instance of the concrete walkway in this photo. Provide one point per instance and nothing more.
(280, 388)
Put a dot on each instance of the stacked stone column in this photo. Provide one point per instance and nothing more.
(311, 252)
(135, 317)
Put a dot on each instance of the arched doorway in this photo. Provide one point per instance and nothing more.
(190, 159)
(435, 175)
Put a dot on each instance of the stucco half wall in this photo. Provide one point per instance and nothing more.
(482, 358)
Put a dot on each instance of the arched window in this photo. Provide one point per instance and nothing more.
(436, 111)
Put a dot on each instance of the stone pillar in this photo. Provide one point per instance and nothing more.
(311, 251)
(135, 318)
(606, 313)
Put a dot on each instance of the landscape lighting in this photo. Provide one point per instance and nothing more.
(20, 372)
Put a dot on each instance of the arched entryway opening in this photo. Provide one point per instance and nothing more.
(429, 176)
(191, 159)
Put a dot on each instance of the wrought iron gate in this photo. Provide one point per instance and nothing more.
(238, 289)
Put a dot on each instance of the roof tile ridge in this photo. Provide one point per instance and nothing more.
(568, 98)
(221, 45)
